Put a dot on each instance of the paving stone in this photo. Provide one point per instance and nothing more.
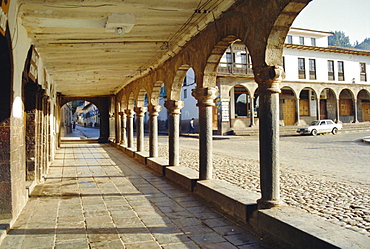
(207, 238)
(104, 206)
(143, 245)
(222, 245)
(182, 245)
(107, 244)
(72, 244)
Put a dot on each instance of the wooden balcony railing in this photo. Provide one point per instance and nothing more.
(235, 68)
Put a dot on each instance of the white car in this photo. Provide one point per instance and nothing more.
(320, 126)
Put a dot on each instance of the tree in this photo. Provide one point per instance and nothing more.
(364, 45)
(339, 39)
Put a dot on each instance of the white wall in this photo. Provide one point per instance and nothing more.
(351, 65)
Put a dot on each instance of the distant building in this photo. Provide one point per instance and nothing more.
(321, 82)
(87, 114)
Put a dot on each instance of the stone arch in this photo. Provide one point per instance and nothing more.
(175, 90)
(346, 106)
(131, 101)
(328, 104)
(280, 29)
(140, 98)
(363, 105)
(8, 205)
(103, 104)
(32, 95)
(240, 106)
(213, 60)
(156, 92)
(308, 104)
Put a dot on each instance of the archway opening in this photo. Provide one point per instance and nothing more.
(79, 119)
(363, 106)
(346, 108)
(288, 106)
(328, 104)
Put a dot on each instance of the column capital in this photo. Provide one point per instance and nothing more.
(174, 106)
(154, 110)
(268, 78)
(129, 113)
(140, 111)
(205, 95)
(121, 113)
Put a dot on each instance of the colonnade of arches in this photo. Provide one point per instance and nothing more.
(264, 38)
(213, 42)
(301, 104)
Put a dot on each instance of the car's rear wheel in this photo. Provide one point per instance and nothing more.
(314, 132)
(334, 131)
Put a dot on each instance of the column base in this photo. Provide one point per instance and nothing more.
(267, 204)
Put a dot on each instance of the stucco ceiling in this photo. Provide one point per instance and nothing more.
(83, 59)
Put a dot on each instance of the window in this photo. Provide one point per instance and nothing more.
(301, 68)
(363, 71)
(289, 39)
(229, 59)
(331, 70)
(240, 97)
(185, 93)
(312, 65)
(313, 41)
(301, 40)
(184, 83)
(243, 57)
(340, 70)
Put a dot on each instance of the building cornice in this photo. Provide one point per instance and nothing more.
(331, 49)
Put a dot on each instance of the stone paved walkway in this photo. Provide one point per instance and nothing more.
(96, 197)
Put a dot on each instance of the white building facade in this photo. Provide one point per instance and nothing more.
(321, 81)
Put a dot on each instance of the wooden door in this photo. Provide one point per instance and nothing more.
(345, 106)
(304, 107)
(289, 111)
(323, 110)
(365, 111)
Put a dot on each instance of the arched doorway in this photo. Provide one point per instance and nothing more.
(328, 105)
(80, 119)
(364, 106)
(346, 110)
(307, 105)
(288, 106)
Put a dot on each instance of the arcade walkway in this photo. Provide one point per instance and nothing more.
(96, 197)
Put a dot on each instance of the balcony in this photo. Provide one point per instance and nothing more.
(239, 69)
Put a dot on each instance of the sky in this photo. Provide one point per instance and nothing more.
(350, 16)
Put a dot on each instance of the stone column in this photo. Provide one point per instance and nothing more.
(173, 108)
(355, 113)
(140, 111)
(337, 113)
(298, 116)
(118, 125)
(205, 97)
(268, 79)
(130, 128)
(318, 107)
(252, 111)
(123, 139)
(153, 129)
